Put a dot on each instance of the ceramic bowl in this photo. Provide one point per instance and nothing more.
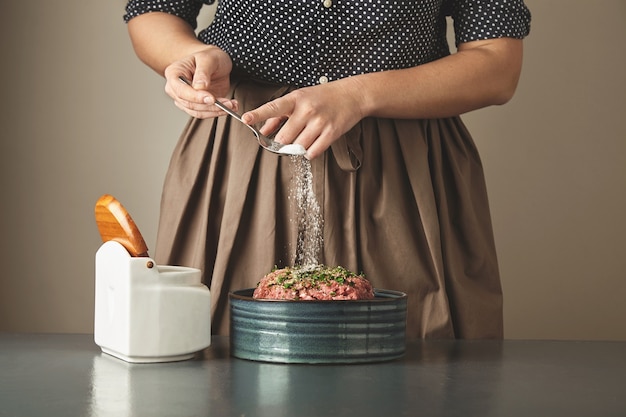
(337, 331)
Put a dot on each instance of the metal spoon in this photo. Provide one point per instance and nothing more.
(265, 142)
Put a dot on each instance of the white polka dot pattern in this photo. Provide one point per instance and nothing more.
(305, 42)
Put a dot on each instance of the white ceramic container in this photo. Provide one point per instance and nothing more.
(146, 312)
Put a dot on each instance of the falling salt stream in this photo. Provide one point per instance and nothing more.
(309, 215)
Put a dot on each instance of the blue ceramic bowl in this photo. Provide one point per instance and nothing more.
(338, 331)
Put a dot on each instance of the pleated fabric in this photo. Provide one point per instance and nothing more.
(403, 201)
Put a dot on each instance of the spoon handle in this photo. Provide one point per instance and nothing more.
(217, 103)
(229, 111)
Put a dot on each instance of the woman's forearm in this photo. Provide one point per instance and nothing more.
(161, 38)
(480, 74)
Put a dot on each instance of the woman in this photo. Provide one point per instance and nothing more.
(372, 92)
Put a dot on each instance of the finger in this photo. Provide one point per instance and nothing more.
(317, 147)
(272, 125)
(205, 111)
(278, 108)
(293, 129)
(184, 90)
(201, 78)
(209, 100)
(316, 138)
(228, 102)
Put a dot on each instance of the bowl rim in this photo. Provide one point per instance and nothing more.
(380, 296)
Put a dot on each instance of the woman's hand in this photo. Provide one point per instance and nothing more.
(168, 45)
(208, 73)
(315, 116)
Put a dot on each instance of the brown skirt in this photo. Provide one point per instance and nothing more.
(403, 201)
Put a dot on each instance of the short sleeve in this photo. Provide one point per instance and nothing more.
(488, 19)
(185, 9)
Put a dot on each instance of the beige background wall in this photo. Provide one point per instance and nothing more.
(80, 116)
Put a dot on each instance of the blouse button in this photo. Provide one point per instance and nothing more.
(328, 3)
(323, 79)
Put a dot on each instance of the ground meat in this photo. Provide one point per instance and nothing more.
(314, 283)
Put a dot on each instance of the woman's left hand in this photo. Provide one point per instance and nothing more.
(315, 116)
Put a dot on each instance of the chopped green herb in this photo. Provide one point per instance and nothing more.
(314, 276)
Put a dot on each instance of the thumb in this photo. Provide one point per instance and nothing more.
(200, 81)
(204, 67)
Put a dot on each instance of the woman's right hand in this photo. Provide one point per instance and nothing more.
(168, 45)
(208, 72)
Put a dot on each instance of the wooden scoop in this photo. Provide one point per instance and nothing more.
(114, 223)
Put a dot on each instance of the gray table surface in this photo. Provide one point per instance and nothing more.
(67, 375)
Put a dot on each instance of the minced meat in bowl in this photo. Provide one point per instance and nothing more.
(314, 283)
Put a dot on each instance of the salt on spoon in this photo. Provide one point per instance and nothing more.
(292, 149)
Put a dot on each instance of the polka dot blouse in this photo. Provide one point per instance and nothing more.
(306, 42)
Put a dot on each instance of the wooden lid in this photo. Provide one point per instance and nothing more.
(114, 223)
